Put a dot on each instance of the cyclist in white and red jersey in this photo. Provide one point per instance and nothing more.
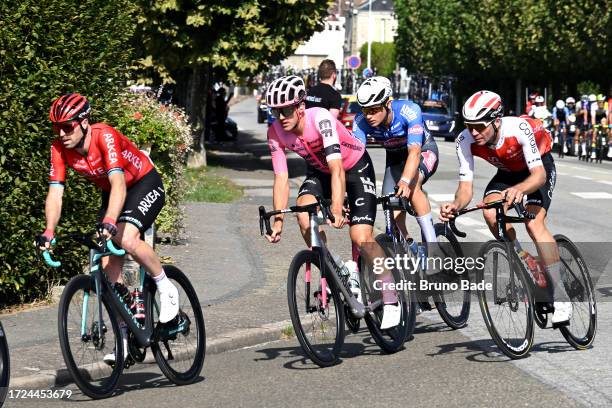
(132, 192)
(520, 148)
(337, 163)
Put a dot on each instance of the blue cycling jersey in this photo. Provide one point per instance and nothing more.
(406, 129)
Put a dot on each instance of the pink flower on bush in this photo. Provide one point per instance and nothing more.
(138, 116)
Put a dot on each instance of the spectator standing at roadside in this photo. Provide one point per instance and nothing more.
(324, 94)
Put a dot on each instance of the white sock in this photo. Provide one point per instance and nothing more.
(427, 227)
(162, 282)
(124, 334)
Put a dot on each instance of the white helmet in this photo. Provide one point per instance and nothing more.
(285, 91)
(560, 104)
(374, 91)
(482, 107)
(592, 98)
(539, 99)
(570, 100)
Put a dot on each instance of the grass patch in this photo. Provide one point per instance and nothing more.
(204, 184)
(287, 332)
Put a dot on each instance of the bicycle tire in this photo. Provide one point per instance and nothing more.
(5, 365)
(328, 354)
(576, 290)
(390, 340)
(82, 376)
(523, 344)
(459, 318)
(182, 345)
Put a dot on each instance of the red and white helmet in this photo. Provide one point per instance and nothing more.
(69, 107)
(285, 91)
(483, 107)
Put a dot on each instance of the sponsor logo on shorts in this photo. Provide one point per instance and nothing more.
(363, 168)
(131, 220)
(368, 185)
(356, 220)
(429, 160)
(148, 200)
(360, 202)
(309, 181)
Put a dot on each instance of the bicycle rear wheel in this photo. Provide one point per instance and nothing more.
(390, 340)
(508, 308)
(452, 305)
(4, 365)
(83, 348)
(319, 326)
(178, 350)
(583, 324)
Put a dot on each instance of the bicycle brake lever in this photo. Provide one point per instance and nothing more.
(455, 230)
(263, 220)
(522, 211)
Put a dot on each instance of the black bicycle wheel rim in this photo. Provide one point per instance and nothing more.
(305, 326)
(579, 272)
(189, 349)
(390, 340)
(524, 337)
(5, 365)
(82, 375)
(455, 312)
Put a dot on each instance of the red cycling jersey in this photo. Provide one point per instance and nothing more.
(522, 143)
(109, 151)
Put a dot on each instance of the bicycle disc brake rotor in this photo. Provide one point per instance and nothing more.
(98, 341)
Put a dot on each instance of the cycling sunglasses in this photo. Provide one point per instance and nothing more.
(66, 127)
(287, 111)
(372, 110)
(478, 127)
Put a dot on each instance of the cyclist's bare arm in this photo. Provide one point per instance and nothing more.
(338, 187)
(280, 193)
(412, 162)
(53, 206)
(463, 196)
(118, 192)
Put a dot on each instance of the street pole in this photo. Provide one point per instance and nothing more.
(370, 34)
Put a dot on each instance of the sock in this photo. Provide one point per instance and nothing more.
(389, 296)
(162, 282)
(124, 335)
(429, 235)
(427, 227)
(554, 275)
(517, 245)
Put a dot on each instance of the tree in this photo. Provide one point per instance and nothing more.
(382, 58)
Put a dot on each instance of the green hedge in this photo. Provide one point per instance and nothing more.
(47, 48)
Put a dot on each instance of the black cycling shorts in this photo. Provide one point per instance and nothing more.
(143, 202)
(396, 161)
(541, 197)
(360, 188)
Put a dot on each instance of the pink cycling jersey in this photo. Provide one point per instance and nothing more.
(324, 138)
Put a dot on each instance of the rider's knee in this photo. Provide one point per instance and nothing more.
(130, 243)
(489, 216)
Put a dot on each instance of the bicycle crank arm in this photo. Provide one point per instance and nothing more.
(375, 305)
(357, 309)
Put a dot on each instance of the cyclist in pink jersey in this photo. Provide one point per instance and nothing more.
(520, 149)
(337, 163)
(132, 193)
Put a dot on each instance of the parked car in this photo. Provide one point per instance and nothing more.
(438, 119)
(262, 108)
(349, 109)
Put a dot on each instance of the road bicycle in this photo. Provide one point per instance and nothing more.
(5, 365)
(452, 302)
(319, 295)
(88, 323)
(514, 300)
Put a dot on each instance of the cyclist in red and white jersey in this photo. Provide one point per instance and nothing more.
(520, 148)
(132, 191)
(337, 163)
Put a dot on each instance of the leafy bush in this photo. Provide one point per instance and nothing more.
(46, 49)
(164, 130)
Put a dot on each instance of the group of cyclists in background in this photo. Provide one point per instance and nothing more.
(580, 128)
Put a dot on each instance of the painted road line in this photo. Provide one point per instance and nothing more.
(596, 195)
(605, 182)
(582, 177)
(442, 197)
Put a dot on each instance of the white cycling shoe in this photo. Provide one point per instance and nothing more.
(169, 303)
(110, 357)
(391, 316)
(563, 312)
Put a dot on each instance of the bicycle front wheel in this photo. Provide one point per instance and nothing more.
(4, 365)
(453, 304)
(317, 313)
(580, 333)
(508, 308)
(179, 350)
(88, 330)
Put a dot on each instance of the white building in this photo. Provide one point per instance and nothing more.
(383, 24)
(326, 44)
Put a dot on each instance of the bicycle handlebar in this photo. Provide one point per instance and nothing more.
(86, 240)
(264, 217)
(518, 207)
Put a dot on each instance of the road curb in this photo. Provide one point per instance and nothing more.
(229, 341)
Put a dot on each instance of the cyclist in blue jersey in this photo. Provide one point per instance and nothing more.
(412, 153)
